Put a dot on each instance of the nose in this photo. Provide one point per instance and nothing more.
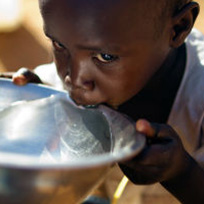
(80, 76)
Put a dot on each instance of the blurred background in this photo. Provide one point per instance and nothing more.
(22, 42)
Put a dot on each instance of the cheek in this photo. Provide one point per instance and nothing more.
(116, 88)
(62, 64)
(123, 85)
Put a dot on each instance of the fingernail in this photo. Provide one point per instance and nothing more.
(19, 81)
(141, 125)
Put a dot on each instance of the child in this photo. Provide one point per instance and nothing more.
(131, 56)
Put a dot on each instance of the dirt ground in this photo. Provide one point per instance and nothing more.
(28, 47)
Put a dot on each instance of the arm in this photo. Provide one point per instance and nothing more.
(188, 186)
(165, 160)
(46, 74)
(21, 77)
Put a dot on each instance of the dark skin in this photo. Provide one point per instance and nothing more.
(96, 65)
(100, 63)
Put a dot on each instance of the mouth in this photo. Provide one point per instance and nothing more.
(85, 98)
(81, 100)
(85, 104)
(91, 106)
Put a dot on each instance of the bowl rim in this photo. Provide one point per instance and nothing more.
(15, 160)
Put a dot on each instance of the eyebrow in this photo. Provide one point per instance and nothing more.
(102, 49)
(51, 37)
(90, 48)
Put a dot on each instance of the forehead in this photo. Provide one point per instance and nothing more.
(97, 7)
(90, 4)
(107, 18)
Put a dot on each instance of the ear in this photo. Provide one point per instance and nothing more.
(182, 23)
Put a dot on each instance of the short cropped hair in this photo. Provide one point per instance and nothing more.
(167, 8)
(175, 5)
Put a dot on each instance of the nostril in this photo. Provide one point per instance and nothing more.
(88, 85)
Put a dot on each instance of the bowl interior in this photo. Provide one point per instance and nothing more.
(40, 126)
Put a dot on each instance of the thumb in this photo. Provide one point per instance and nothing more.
(145, 127)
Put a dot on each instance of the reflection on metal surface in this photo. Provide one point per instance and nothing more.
(53, 127)
(55, 151)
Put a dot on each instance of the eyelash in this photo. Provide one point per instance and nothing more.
(100, 57)
(57, 46)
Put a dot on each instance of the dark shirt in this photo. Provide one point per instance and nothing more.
(155, 101)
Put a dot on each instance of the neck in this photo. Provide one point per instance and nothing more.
(155, 100)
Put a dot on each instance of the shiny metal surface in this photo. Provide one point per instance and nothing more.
(52, 151)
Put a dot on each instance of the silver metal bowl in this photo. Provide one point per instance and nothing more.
(52, 151)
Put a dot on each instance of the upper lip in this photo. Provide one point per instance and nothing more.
(78, 95)
(85, 103)
(79, 99)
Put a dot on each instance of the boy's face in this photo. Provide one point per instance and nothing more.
(105, 51)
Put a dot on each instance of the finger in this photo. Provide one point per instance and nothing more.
(19, 79)
(146, 128)
(142, 175)
(150, 155)
(155, 133)
(24, 76)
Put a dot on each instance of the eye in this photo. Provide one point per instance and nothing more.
(105, 58)
(58, 46)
